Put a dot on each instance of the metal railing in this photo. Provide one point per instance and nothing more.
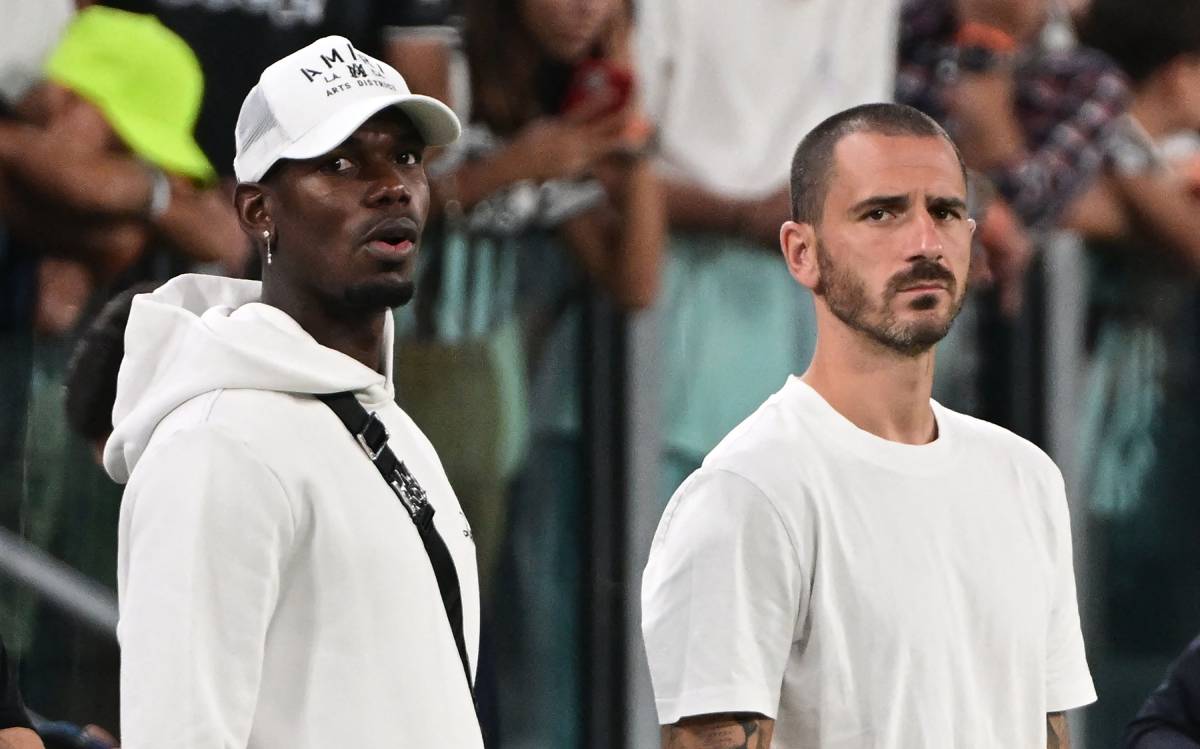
(59, 585)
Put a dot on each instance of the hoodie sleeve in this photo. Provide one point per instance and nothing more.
(204, 535)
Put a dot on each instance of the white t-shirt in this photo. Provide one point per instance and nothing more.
(733, 86)
(865, 593)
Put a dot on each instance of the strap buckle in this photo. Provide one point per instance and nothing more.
(412, 495)
(373, 437)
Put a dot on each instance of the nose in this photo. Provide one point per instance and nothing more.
(927, 242)
(388, 187)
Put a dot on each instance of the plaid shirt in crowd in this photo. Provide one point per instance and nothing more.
(1069, 104)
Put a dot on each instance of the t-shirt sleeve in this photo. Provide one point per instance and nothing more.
(1068, 680)
(12, 709)
(721, 595)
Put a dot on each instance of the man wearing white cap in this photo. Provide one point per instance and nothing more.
(294, 569)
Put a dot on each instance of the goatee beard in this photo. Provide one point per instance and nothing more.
(379, 295)
(847, 298)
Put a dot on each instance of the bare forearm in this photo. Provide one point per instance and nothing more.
(424, 61)
(19, 738)
(733, 731)
(476, 180)
(690, 207)
(1058, 735)
(622, 249)
(637, 265)
(97, 183)
(203, 226)
(1162, 206)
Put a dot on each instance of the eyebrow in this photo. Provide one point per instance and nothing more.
(955, 203)
(876, 202)
(902, 202)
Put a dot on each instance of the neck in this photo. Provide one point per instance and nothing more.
(359, 336)
(878, 390)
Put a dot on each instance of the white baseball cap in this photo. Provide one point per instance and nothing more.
(309, 102)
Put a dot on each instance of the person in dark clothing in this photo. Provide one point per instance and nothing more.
(1170, 719)
(91, 384)
(16, 732)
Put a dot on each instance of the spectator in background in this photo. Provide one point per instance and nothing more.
(91, 383)
(731, 88)
(1170, 719)
(547, 197)
(1034, 121)
(105, 163)
(101, 184)
(1141, 413)
(16, 732)
(236, 40)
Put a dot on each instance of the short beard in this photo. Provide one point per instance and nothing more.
(371, 296)
(847, 298)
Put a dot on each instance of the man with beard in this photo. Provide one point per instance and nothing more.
(275, 589)
(856, 565)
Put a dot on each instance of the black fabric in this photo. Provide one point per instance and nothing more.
(235, 44)
(369, 431)
(12, 709)
(1170, 719)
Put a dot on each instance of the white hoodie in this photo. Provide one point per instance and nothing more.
(273, 591)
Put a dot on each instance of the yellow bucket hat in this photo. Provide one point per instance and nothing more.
(143, 77)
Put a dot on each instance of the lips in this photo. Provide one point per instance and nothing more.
(391, 240)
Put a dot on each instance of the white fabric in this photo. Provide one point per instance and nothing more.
(273, 591)
(29, 33)
(733, 87)
(865, 593)
(310, 101)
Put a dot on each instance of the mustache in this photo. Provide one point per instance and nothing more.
(922, 271)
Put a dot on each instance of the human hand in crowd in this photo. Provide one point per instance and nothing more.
(202, 224)
(620, 245)
(986, 129)
(569, 145)
(64, 287)
(1007, 252)
(1019, 19)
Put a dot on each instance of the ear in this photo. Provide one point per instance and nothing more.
(250, 200)
(799, 244)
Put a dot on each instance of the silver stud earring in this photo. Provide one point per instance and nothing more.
(267, 237)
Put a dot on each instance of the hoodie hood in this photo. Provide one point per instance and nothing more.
(197, 334)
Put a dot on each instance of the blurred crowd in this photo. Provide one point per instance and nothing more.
(627, 156)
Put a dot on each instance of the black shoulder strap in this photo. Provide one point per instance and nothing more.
(372, 436)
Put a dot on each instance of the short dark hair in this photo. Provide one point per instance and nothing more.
(91, 382)
(1142, 36)
(812, 165)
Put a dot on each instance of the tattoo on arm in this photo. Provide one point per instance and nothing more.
(728, 731)
(1057, 734)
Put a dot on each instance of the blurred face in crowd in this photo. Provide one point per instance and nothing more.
(894, 243)
(567, 29)
(345, 225)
